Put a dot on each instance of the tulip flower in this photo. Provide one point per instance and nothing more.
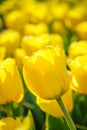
(31, 44)
(77, 49)
(45, 73)
(51, 106)
(74, 16)
(59, 10)
(2, 53)
(81, 30)
(10, 39)
(8, 124)
(58, 27)
(78, 68)
(18, 55)
(15, 20)
(20, 123)
(11, 88)
(35, 29)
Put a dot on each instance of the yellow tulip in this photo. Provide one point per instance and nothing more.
(25, 123)
(58, 27)
(78, 68)
(77, 49)
(8, 124)
(19, 53)
(15, 20)
(35, 29)
(10, 39)
(2, 53)
(7, 6)
(59, 10)
(74, 16)
(56, 39)
(45, 73)
(31, 44)
(11, 88)
(81, 30)
(51, 106)
(20, 123)
(1, 124)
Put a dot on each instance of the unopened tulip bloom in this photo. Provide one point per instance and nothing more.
(10, 39)
(35, 29)
(58, 27)
(18, 55)
(45, 73)
(2, 53)
(51, 106)
(15, 20)
(11, 88)
(78, 68)
(77, 49)
(59, 10)
(31, 44)
(81, 30)
(20, 123)
(74, 16)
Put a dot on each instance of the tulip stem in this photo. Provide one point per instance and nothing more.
(66, 114)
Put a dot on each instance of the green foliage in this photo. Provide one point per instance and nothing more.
(55, 123)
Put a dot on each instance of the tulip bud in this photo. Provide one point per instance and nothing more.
(81, 30)
(10, 39)
(2, 53)
(77, 49)
(20, 123)
(78, 68)
(15, 20)
(11, 88)
(18, 55)
(35, 29)
(45, 73)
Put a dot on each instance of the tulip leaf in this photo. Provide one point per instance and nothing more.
(53, 123)
(39, 116)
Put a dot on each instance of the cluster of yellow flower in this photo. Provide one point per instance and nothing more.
(32, 41)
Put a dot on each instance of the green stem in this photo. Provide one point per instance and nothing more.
(66, 115)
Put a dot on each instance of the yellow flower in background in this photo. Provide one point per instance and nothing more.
(31, 44)
(45, 73)
(7, 6)
(77, 48)
(8, 124)
(56, 40)
(2, 53)
(58, 27)
(78, 68)
(11, 88)
(81, 30)
(74, 16)
(35, 29)
(59, 10)
(1, 124)
(10, 39)
(51, 106)
(18, 55)
(20, 123)
(26, 123)
(15, 20)
(36, 11)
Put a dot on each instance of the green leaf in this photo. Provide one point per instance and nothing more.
(53, 123)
